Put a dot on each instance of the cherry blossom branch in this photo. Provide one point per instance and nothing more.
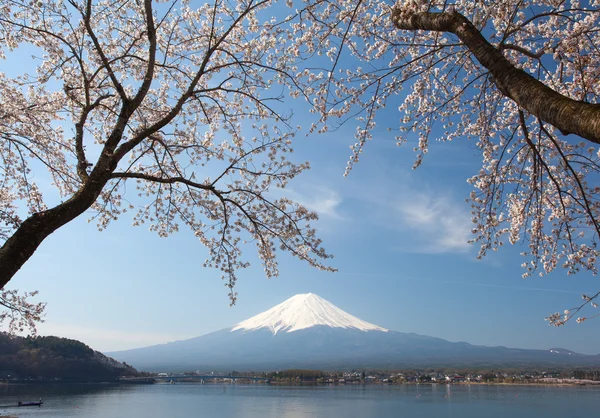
(19, 312)
(157, 94)
(536, 55)
(176, 109)
(87, 19)
(568, 115)
(556, 319)
(170, 180)
(586, 205)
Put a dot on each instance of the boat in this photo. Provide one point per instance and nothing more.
(38, 403)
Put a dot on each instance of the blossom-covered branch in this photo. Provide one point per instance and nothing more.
(557, 319)
(519, 77)
(569, 115)
(173, 97)
(18, 313)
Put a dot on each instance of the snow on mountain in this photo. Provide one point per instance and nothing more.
(315, 334)
(304, 311)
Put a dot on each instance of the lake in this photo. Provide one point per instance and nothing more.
(264, 401)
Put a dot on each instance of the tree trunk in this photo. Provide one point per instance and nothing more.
(30, 234)
(568, 115)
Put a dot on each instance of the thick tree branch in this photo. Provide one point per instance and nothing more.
(82, 162)
(566, 114)
(534, 55)
(189, 92)
(149, 75)
(163, 180)
(30, 234)
(87, 17)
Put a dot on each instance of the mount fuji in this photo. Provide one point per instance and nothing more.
(307, 331)
(302, 312)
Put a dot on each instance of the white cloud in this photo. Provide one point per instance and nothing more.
(106, 339)
(441, 225)
(320, 199)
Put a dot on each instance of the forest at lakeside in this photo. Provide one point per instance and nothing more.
(43, 358)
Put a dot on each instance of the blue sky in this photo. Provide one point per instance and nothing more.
(399, 237)
(399, 240)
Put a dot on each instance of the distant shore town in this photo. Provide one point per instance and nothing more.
(318, 377)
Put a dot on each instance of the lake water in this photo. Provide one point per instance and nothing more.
(264, 401)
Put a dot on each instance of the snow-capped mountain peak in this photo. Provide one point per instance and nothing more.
(304, 311)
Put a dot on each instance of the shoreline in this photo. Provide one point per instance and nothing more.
(550, 382)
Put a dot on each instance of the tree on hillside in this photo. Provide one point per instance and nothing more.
(165, 95)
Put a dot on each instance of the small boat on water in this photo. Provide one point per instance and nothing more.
(38, 403)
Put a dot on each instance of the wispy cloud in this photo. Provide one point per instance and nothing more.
(106, 339)
(318, 198)
(430, 216)
(441, 225)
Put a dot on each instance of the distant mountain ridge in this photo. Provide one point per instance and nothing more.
(309, 332)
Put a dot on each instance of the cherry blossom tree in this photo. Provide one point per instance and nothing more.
(179, 100)
(165, 95)
(519, 77)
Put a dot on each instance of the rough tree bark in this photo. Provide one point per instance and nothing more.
(568, 115)
(27, 238)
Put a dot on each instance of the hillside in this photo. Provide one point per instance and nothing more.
(56, 358)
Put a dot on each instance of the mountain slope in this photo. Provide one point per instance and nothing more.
(309, 332)
(56, 358)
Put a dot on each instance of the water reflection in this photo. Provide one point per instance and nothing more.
(261, 401)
